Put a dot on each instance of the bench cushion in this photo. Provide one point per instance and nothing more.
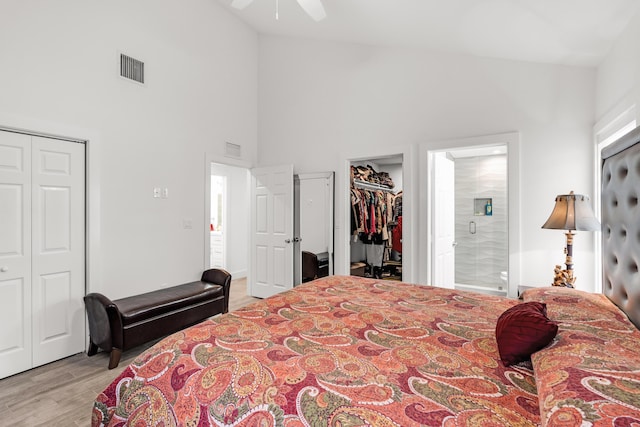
(144, 306)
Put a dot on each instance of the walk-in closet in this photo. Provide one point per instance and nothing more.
(376, 218)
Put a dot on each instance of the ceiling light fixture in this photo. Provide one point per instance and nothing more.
(313, 8)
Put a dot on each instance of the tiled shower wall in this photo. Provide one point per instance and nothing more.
(480, 257)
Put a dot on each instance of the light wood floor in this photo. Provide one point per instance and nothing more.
(62, 393)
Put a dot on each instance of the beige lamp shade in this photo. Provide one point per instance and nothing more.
(572, 212)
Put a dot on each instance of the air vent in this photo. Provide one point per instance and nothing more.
(131, 68)
(233, 150)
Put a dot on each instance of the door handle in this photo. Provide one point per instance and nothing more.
(287, 241)
(454, 244)
(4, 269)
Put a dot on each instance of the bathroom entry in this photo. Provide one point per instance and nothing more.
(229, 219)
(218, 220)
(470, 219)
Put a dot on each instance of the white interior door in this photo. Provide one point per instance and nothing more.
(58, 249)
(42, 229)
(444, 221)
(272, 230)
(15, 253)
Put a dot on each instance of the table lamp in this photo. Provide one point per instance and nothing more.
(571, 212)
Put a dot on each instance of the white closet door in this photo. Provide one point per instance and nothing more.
(58, 230)
(15, 253)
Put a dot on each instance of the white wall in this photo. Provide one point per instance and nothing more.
(210, 78)
(60, 70)
(323, 102)
(618, 77)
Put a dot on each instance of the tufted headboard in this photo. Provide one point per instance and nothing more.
(621, 224)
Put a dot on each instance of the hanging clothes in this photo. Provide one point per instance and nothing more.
(396, 240)
(371, 214)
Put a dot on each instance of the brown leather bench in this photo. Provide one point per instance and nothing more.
(116, 326)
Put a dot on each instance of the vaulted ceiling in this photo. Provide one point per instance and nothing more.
(571, 32)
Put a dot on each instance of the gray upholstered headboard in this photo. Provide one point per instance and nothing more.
(621, 224)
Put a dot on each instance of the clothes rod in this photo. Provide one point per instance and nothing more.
(370, 186)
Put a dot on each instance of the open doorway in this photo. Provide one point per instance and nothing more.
(376, 212)
(229, 209)
(475, 209)
(470, 218)
(218, 220)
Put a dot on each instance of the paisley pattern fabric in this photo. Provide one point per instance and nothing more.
(590, 374)
(339, 351)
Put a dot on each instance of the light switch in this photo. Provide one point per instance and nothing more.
(156, 192)
(187, 223)
(165, 193)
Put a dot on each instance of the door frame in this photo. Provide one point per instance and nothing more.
(409, 226)
(512, 141)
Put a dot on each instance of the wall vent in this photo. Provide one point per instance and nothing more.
(131, 68)
(232, 150)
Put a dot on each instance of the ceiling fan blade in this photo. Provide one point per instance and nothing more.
(240, 4)
(314, 9)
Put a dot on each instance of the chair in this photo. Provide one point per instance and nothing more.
(309, 266)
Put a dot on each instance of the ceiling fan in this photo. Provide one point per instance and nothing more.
(314, 8)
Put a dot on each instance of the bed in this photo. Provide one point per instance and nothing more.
(349, 351)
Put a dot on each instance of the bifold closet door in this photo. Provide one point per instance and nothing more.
(42, 229)
(58, 231)
(15, 253)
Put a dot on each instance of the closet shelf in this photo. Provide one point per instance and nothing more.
(370, 186)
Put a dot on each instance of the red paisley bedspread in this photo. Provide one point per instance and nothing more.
(590, 374)
(339, 351)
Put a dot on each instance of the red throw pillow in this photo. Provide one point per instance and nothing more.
(522, 330)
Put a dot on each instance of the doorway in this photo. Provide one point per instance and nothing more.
(228, 219)
(218, 220)
(471, 218)
(376, 244)
(475, 226)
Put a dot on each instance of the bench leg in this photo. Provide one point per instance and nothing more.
(93, 349)
(114, 358)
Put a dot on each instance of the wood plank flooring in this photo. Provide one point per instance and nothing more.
(62, 393)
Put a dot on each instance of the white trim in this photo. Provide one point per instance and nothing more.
(614, 120)
(317, 175)
(512, 141)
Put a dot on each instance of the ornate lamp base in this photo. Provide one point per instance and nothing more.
(565, 277)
